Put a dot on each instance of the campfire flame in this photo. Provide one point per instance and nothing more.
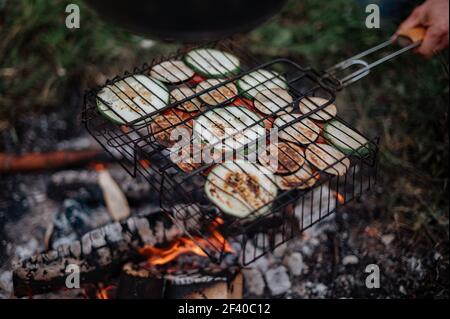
(104, 292)
(161, 256)
(340, 198)
(145, 163)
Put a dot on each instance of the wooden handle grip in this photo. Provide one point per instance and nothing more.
(413, 35)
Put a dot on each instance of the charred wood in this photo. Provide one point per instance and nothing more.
(99, 254)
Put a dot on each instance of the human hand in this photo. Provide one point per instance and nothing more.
(433, 15)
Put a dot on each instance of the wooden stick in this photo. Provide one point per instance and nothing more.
(42, 161)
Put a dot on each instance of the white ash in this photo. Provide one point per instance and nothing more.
(281, 249)
(6, 284)
(254, 281)
(27, 249)
(294, 262)
(415, 264)
(402, 290)
(79, 143)
(315, 205)
(320, 290)
(387, 239)
(278, 280)
(350, 260)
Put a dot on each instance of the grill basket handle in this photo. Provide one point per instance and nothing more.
(408, 40)
(414, 35)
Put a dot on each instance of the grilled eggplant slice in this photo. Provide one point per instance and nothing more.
(222, 94)
(184, 92)
(313, 103)
(304, 131)
(229, 128)
(286, 158)
(328, 159)
(240, 188)
(273, 101)
(129, 99)
(302, 179)
(213, 63)
(172, 72)
(253, 83)
(346, 139)
(163, 125)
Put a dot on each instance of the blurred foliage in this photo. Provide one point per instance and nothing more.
(40, 57)
(405, 102)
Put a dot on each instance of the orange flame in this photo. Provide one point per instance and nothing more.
(97, 166)
(103, 292)
(145, 163)
(340, 198)
(161, 256)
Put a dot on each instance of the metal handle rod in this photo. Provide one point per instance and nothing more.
(365, 70)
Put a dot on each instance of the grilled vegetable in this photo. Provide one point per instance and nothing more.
(302, 179)
(213, 63)
(228, 128)
(346, 139)
(181, 93)
(253, 83)
(313, 103)
(222, 94)
(304, 131)
(164, 125)
(273, 101)
(282, 158)
(187, 160)
(240, 188)
(328, 159)
(172, 72)
(132, 98)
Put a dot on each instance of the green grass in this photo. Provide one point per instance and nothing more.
(40, 56)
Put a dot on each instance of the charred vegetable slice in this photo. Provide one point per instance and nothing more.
(309, 104)
(282, 158)
(273, 101)
(132, 98)
(302, 179)
(328, 159)
(240, 188)
(253, 83)
(222, 94)
(172, 72)
(229, 128)
(168, 127)
(346, 139)
(303, 131)
(182, 93)
(213, 63)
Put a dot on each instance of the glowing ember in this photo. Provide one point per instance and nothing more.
(340, 198)
(145, 163)
(161, 256)
(97, 166)
(103, 292)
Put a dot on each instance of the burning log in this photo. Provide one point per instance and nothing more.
(42, 161)
(84, 185)
(140, 281)
(99, 254)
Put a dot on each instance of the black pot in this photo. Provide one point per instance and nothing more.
(187, 20)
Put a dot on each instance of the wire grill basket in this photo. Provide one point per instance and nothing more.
(324, 162)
